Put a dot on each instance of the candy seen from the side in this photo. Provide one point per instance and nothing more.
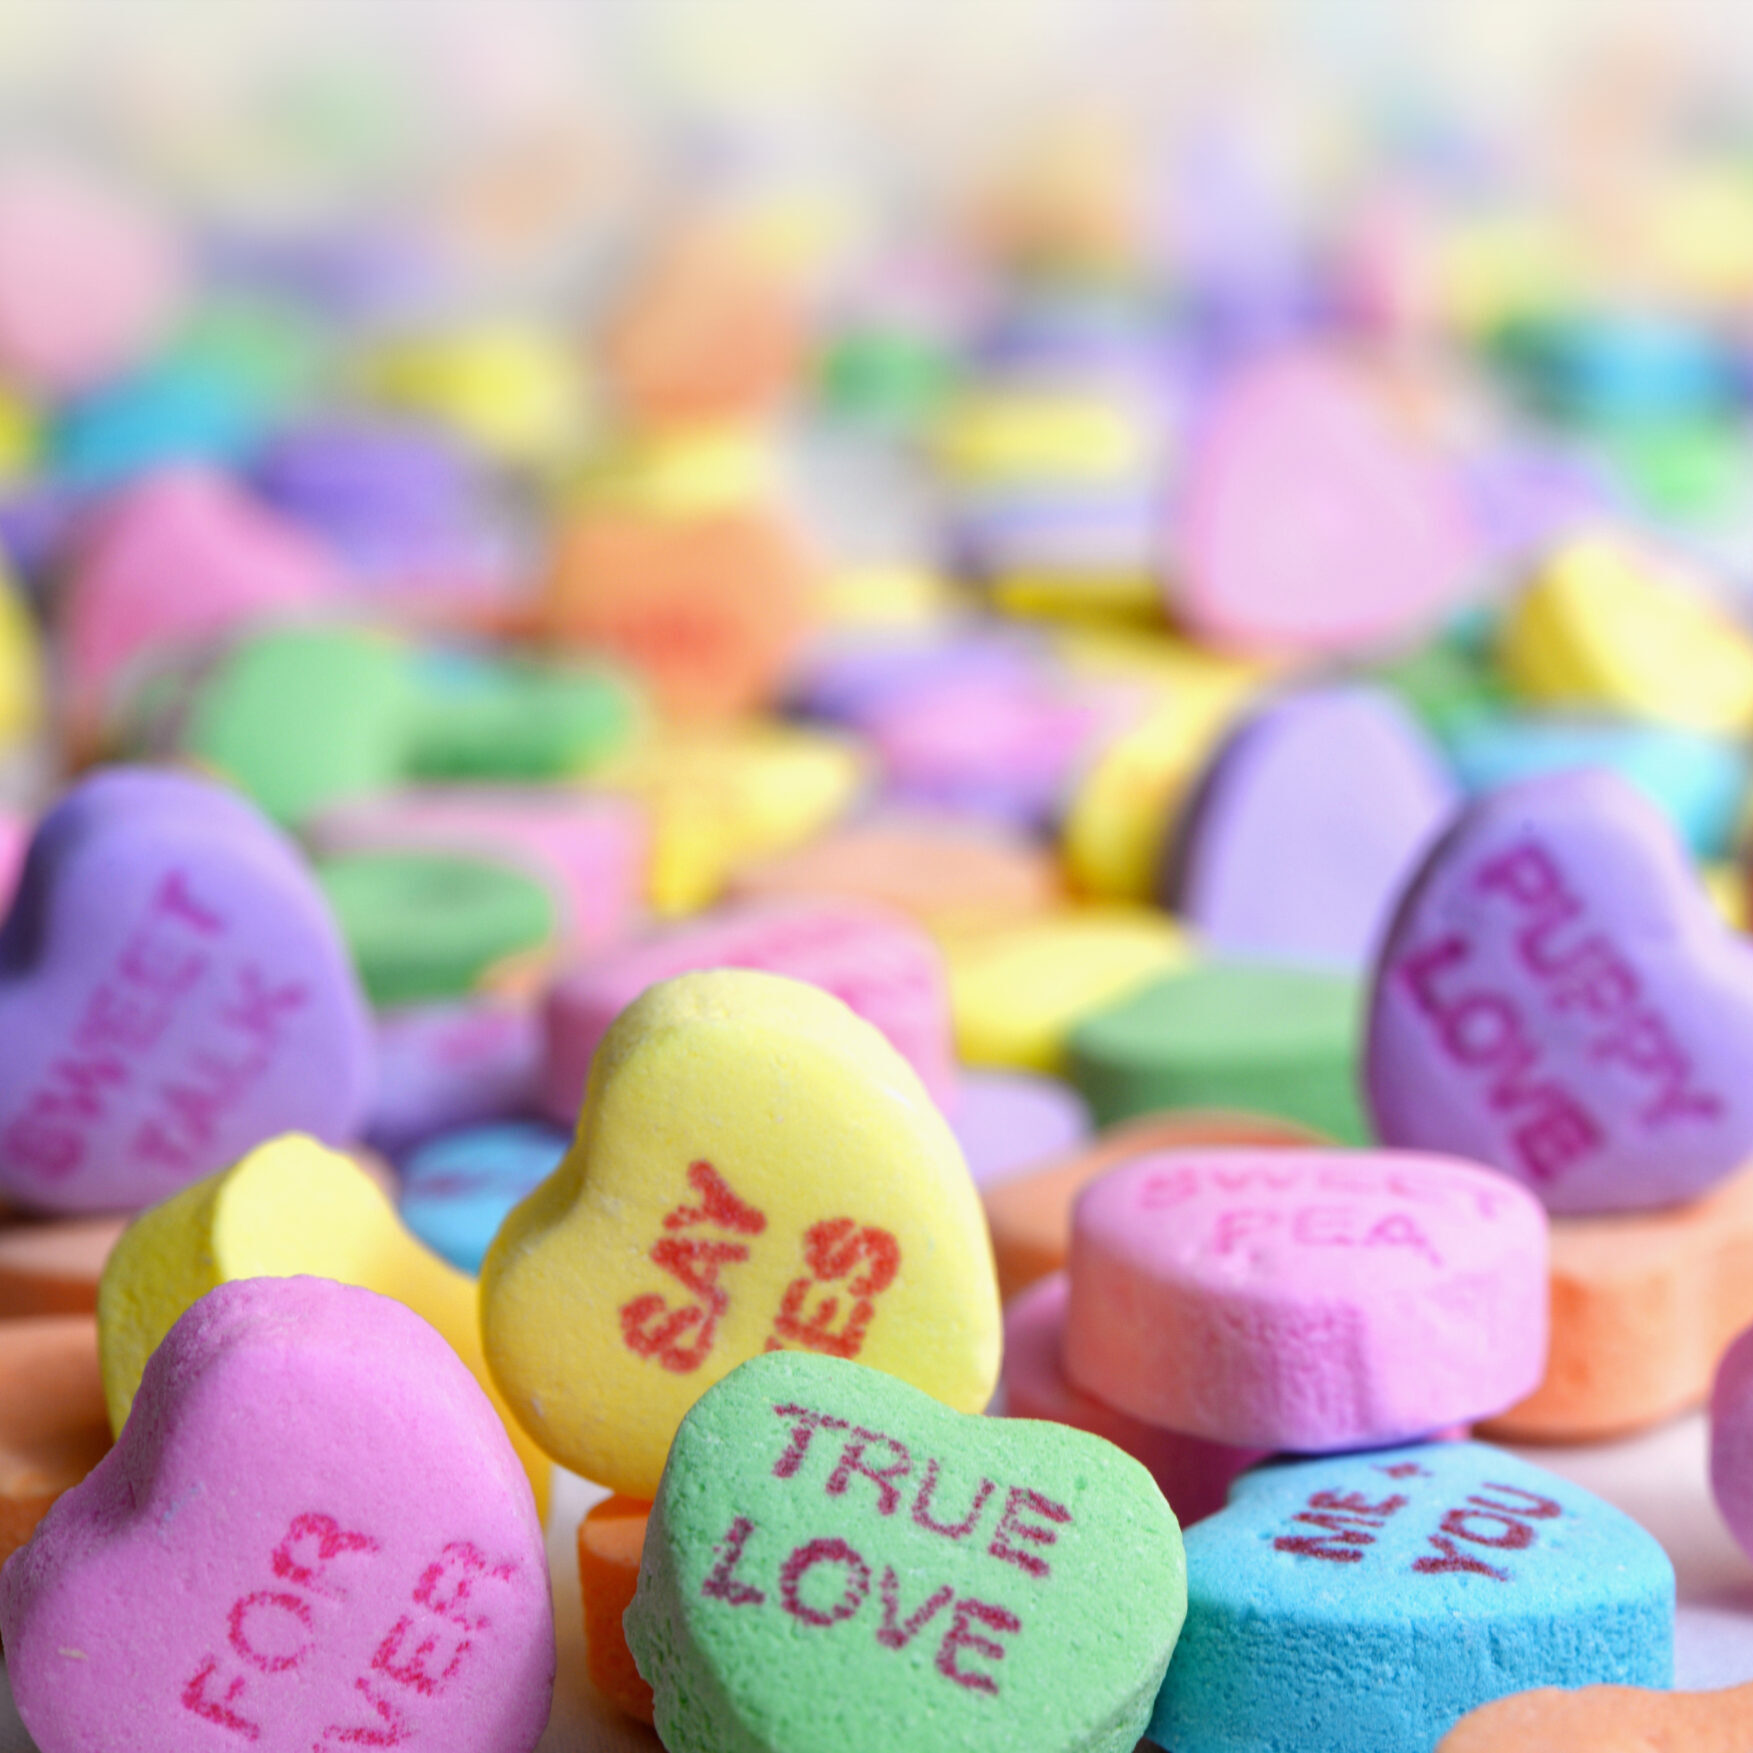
(1731, 1439)
(611, 1539)
(1363, 1603)
(1607, 1719)
(53, 1425)
(172, 991)
(1557, 997)
(1308, 1300)
(836, 1559)
(755, 1167)
(288, 1208)
(343, 1598)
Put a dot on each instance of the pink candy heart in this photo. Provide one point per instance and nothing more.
(312, 1534)
(1310, 522)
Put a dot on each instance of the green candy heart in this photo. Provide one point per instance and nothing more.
(836, 1561)
(1244, 1035)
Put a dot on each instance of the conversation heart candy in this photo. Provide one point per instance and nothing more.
(180, 555)
(1310, 1300)
(441, 1066)
(1448, 1574)
(52, 1266)
(1193, 1474)
(755, 1168)
(343, 1598)
(1606, 1719)
(830, 1546)
(1605, 628)
(289, 1208)
(1369, 541)
(1018, 990)
(611, 1539)
(1008, 1122)
(456, 1188)
(53, 1425)
(1339, 785)
(1643, 1305)
(1557, 997)
(1731, 1439)
(882, 966)
(1235, 1035)
(172, 991)
(1030, 1216)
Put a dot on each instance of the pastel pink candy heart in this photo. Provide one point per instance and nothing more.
(1313, 1300)
(880, 964)
(91, 282)
(1311, 521)
(312, 1534)
(591, 850)
(180, 556)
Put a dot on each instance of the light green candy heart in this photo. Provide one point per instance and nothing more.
(837, 1562)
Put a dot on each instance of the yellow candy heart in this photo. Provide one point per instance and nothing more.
(290, 1207)
(1017, 992)
(756, 1169)
(1602, 627)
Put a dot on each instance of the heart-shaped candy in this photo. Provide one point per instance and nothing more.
(1310, 1300)
(257, 1563)
(836, 1560)
(1311, 521)
(1339, 785)
(1367, 1601)
(1557, 997)
(1731, 1439)
(1607, 1719)
(288, 1208)
(456, 1188)
(172, 991)
(756, 1168)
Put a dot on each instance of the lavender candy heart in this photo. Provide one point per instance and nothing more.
(1557, 997)
(173, 991)
(1008, 1121)
(1338, 786)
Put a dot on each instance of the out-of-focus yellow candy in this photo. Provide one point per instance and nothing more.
(1101, 596)
(684, 471)
(1027, 435)
(18, 436)
(1700, 232)
(1502, 267)
(1727, 888)
(718, 797)
(1018, 991)
(514, 389)
(1602, 627)
(756, 1168)
(290, 1207)
(900, 598)
(21, 666)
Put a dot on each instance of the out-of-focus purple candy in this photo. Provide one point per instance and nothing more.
(1008, 1121)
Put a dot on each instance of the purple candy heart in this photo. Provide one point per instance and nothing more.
(1557, 997)
(1009, 1121)
(1337, 787)
(173, 991)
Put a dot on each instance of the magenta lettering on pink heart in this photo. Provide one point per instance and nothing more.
(173, 991)
(1557, 997)
(312, 1534)
(1311, 1300)
(879, 964)
(1311, 521)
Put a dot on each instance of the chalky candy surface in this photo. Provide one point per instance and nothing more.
(1010, 1121)
(1363, 1603)
(1731, 1439)
(1337, 784)
(880, 964)
(834, 1558)
(1369, 540)
(172, 991)
(1557, 997)
(1193, 1474)
(342, 1599)
(457, 1188)
(1607, 1719)
(755, 1167)
(1309, 1300)
(289, 1208)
